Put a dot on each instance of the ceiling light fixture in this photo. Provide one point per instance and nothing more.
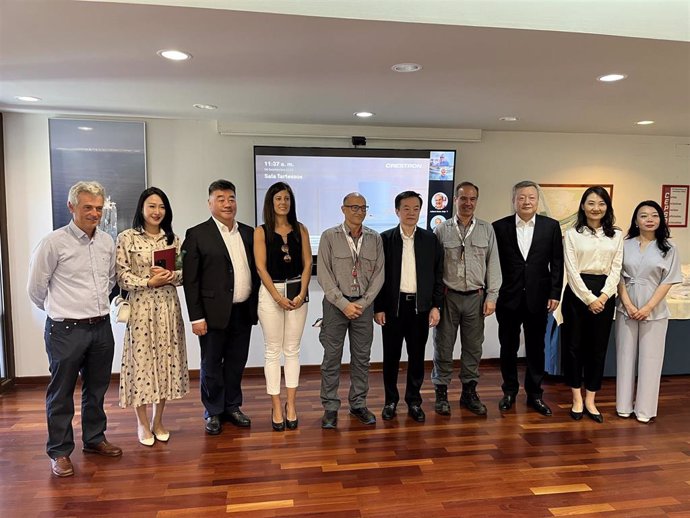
(645, 123)
(363, 115)
(206, 106)
(85, 128)
(508, 119)
(27, 98)
(174, 55)
(611, 78)
(406, 67)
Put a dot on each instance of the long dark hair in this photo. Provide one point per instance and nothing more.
(661, 234)
(269, 213)
(166, 223)
(606, 222)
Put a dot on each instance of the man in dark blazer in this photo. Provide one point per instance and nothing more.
(409, 302)
(221, 288)
(531, 253)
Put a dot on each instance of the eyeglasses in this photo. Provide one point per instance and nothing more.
(357, 208)
(286, 250)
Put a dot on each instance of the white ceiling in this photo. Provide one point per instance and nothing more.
(99, 58)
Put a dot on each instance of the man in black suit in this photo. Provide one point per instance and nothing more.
(531, 253)
(221, 288)
(409, 302)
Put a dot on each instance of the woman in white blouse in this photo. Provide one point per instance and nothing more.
(593, 260)
(650, 267)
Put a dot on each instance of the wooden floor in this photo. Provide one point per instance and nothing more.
(518, 464)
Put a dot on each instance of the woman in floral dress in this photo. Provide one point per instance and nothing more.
(154, 355)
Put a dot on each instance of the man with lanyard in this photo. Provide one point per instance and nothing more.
(408, 304)
(472, 278)
(350, 271)
(71, 274)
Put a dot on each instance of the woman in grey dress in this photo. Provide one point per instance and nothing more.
(154, 355)
(650, 267)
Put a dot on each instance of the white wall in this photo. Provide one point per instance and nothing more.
(185, 156)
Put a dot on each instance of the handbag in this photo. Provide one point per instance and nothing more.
(120, 309)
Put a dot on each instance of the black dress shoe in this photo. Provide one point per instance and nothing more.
(329, 420)
(597, 418)
(277, 427)
(575, 415)
(506, 402)
(389, 412)
(538, 404)
(239, 419)
(213, 426)
(416, 413)
(363, 414)
(290, 425)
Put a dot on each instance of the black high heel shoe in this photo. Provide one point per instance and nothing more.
(291, 425)
(277, 427)
(597, 418)
(575, 415)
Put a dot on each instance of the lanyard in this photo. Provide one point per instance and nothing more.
(351, 243)
(467, 234)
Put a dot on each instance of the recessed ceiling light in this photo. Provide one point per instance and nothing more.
(85, 128)
(611, 78)
(206, 106)
(363, 115)
(645, 123)
(174, 55)
(508, 119)
(27, 98)
(407, 67)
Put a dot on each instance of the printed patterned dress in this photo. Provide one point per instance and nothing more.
(154, 354)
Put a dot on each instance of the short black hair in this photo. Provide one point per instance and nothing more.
(407, 194)
(466, 184)
(221, 185)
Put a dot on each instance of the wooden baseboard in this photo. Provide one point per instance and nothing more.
(374, 367)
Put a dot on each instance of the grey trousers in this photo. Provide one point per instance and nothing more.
(641, 342)
(465, 312)
(360, 332)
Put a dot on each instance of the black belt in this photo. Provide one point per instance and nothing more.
(465, 293)
(408, 297)
(352, 299)
(90, 321)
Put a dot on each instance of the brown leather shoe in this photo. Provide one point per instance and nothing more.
(61, 466)
(104, 448)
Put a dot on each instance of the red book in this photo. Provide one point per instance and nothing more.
(165, 258)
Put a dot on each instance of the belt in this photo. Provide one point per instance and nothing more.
(408, 297)
(89, 321)
(465, 293)
(352, 299)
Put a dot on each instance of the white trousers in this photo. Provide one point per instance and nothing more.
(282, 335)
(642, 342)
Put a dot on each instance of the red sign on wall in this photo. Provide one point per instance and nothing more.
(674, 202)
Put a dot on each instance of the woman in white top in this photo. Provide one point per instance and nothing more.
(593, 259)
(650, 267)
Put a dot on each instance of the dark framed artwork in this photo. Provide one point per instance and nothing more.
(112, 153)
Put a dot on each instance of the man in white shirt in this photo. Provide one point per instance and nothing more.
(71, 274)
(531, 252)
(221, 288)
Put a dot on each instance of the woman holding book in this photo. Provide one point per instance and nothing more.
(283, 259)
(593, 253)
(154, 354)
